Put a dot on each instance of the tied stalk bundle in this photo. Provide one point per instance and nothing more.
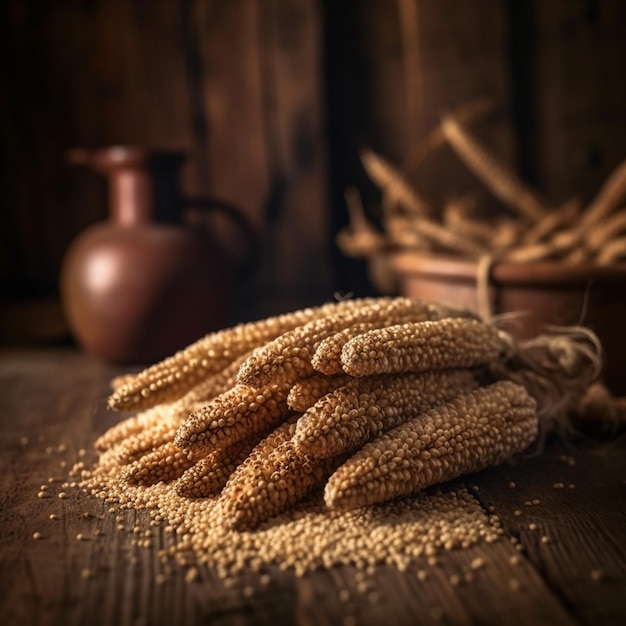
(363, 401)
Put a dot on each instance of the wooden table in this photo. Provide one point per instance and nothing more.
(56, 397)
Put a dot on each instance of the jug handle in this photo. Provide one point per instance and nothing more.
(251, 234)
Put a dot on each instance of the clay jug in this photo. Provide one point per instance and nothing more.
(150, 279)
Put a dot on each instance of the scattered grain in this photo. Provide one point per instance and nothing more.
(192, 575)
(62, 495)
(362, 586)
(136, 473)
(307, 537)
(37, 536)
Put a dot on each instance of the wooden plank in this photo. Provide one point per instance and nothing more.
(402, 65)
(238, 85)
(442, 55)
(575, 95)
(462, 56)
(124, 80)
(297, 234)
(44, 392)
(583, 521)
(259, 79)
(225, 39)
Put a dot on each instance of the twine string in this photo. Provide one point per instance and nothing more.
(484, 304)
(557, 368)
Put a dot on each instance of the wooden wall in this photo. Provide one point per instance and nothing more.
(237, 84)
(272, 99)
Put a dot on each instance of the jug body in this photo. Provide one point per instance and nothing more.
(137, 287)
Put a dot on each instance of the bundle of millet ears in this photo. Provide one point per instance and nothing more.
(365, 399)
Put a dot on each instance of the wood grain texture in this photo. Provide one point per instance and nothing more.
(427, 58)
(257, 91)
(392, 69)
(56, 397)
(571, 100)
(583, 521)
(236, 85)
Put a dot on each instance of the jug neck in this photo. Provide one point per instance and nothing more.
(131, 197)
(143, 184)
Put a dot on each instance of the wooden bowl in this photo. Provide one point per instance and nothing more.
(541, 294)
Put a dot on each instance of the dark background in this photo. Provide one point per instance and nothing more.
(272, 101)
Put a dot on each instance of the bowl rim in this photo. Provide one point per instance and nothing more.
(544, 272)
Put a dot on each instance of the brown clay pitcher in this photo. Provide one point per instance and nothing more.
(150, 279)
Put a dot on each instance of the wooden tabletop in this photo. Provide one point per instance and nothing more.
(562, 559)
